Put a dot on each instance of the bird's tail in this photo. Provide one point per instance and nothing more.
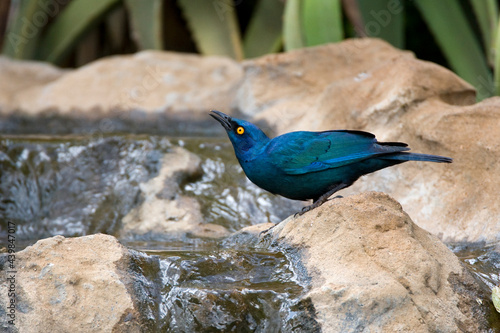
(403, 156)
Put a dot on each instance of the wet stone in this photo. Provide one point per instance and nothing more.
(73, 187)
(96, 284)
(145, 188)
(232, 291)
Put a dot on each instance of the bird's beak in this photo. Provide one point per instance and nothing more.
(222, 118)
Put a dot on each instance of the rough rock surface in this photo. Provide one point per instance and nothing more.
(150, 81)
(165, 213)
(458, 201)
(85, 284)
(20, 77)
(354, 84)
(372, 269)
(368, 85)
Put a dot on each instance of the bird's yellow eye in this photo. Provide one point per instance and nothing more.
(240, 130)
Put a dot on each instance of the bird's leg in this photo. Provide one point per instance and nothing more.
(265, 231)
(322, 199)
(316, 203)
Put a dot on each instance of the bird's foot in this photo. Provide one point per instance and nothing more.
(265, 231)
(308, 208)
(322, 199)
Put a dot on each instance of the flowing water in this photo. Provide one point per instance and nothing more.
(80, 185)
(75, 186)
(216, 289)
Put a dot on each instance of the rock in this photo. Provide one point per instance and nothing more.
(354, 84)
(369, 85)
(85, 284)
(73, 187)
(372, 269)
(456, 201)
(150, 91)
(21, 76)
(151, 81)
(165, 213)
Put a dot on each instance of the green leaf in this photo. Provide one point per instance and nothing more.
(454, 35)
(78, 17)
(497, 61)
(486, 12)
(322, 22)
(263, 34)
(384, 19)
(292, 28)
(23, 33)
(146, 23)
(214, 26)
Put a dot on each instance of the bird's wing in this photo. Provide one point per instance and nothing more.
(303, 152)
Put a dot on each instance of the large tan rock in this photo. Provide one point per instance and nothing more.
(368, 85)
(77, 285)
(372, 269)
(149, 81)
(19, 76)
(457, 202)
(354, 84)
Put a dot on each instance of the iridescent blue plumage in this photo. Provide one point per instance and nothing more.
(312, 165)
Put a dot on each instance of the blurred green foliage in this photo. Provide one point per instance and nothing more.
(461, 34)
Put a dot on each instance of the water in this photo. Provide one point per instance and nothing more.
(483, 261)
(72, 186)
(229, 290)
(77, 185)
(211, 287)
(227, 197)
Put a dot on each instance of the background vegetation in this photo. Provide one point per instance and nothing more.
(459, 34)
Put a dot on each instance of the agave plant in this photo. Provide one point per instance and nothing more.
(50, 30)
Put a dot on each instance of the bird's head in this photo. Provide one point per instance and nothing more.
(243, 135)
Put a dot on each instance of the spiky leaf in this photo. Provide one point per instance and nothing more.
(22, 36)
(146, 22)
(322, 22)
(214, 27)
(263, 34)
(70, 25)
(454, 35)
(292, 27)
(384, 19)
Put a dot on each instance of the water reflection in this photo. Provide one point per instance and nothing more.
(230, 290)
(482, 260)
(228, 198)
(75, 186)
